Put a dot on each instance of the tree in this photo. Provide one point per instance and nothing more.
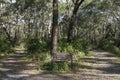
(54, 35)
(99, 19)
(77, 4)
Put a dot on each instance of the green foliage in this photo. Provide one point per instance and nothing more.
(57, 66)
(111, 45)
(5, 46)
(38, 50)
(61, 66)
(82, 45)
(117, 42)
(77, 46)
(108, 43)
(33, 45)
(65, 47)
(104, 44)
(115, 50)
(42, 59)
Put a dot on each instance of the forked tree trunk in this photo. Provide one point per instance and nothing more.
(72, 19)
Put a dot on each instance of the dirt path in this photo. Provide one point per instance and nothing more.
(103, 66)
(15, 67)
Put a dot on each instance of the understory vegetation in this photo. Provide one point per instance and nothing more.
(45, 28)
(111, 45)
(5, 47)
(38, 50)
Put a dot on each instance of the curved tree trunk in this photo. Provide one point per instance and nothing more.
(72, 19)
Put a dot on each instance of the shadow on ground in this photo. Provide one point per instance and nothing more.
(102, 61)
(13, 67)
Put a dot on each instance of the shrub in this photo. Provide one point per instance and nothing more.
(57, 66)
(117, 42)
(82, 45)
(33, 45)
(5, 46)
(61, 66)
(75, 47)
(115, 50)
(38, 51)
(106, 44)
(111, 45)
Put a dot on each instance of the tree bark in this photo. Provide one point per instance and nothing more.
(72, 20)
(54, 35)
(8, 36)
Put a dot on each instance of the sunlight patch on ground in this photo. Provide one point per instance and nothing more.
(5, 69)
(29, 72)
(10, 61)
(17, 75)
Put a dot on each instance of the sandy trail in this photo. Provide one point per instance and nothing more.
(103, 66)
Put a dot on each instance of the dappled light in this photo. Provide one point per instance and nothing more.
(59, 39)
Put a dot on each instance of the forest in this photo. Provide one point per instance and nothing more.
(59, 36)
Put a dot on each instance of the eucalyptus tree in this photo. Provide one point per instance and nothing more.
(77, 4)
(69, 16)
(34, 17)
(100, 20)
(26, 18)
(7, 21)
(54, 36)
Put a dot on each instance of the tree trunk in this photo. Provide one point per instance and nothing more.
(54, 35)
(72, 20)
(8, 36)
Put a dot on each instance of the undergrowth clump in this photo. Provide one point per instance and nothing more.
(79, 48)
(111, 45)
(5, 46)
(39, 51)
(57, 66)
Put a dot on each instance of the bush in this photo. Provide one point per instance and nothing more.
(57, 66)
(111, 45)
(61, 66)
(106, 44)
(117, 42)
(33, 45)
(38, 51)
(75, 47)
(5, 46)
(115, 50)
(82, 45)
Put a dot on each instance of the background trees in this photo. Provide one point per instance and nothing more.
(82, 23)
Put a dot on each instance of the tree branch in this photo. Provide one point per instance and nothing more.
(73, 2)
